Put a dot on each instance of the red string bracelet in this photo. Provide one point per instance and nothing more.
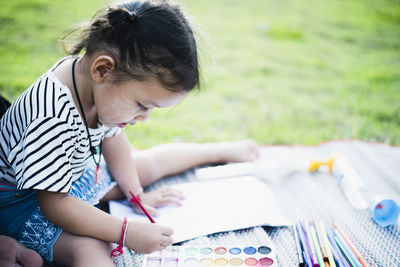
(119, 250)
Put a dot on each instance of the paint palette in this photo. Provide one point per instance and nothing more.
(200, 256)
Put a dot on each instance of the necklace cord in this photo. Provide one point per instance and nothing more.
(93, 150)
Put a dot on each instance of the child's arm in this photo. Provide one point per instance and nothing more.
(79, 218)
(174, 158)
(117, 152)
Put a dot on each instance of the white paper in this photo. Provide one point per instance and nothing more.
(214, 206)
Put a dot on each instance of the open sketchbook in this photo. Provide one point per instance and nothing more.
(214, 206)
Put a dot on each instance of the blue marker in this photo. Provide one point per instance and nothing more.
(305, 247)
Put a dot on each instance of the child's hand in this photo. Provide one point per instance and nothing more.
(145, 237)
(160, 197)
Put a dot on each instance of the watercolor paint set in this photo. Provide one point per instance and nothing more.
(221, 255)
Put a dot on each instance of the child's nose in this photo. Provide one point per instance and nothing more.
(142, 117)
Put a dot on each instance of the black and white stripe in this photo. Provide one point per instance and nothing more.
(43, 141)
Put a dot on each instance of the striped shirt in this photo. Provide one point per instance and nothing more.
(43, 140)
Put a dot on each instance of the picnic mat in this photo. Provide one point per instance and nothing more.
(304, 196)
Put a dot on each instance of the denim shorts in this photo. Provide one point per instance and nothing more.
(21, 218)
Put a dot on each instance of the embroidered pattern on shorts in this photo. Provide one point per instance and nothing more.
(39, 234)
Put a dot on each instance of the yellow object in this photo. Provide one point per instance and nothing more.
(347, 178)
(316, 164)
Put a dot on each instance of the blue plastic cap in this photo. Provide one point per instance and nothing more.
(385, 212)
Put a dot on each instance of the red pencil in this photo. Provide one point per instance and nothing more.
(135, 200)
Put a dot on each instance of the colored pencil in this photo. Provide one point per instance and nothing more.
(351, 245)
(311, 246)
(304, 244)
(321, 243)
(327, 246)
(135, 200)
(348, 253)
(298, 247)
(340, 259)
(316, 245)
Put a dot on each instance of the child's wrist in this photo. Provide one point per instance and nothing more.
(138, 193)
(119, 249)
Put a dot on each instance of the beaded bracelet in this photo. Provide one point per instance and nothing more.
(119, 250)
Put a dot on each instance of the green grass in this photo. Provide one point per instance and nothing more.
(280, 72)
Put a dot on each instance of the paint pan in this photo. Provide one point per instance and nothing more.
(221, 255)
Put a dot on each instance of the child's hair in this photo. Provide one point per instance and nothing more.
(4, 105)
(146, 39)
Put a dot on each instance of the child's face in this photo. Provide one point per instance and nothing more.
(128, 102)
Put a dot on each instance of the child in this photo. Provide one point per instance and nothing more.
(138, 56)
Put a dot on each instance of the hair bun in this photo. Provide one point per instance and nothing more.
(118, 16)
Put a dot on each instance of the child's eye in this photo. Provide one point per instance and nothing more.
(141, 107)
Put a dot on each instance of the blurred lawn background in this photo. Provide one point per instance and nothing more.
(277, 71)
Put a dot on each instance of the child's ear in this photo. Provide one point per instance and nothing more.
(102, 67)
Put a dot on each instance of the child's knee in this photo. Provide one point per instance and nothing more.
(81, 251)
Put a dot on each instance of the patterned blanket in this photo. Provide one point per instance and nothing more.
(302, 196)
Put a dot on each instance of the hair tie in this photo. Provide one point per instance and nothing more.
(132, 16)
(119, 16)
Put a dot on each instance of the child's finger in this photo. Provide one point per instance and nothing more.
(167, 241)
(175, 193)
(167, 232)
(171, 192)
(151, 210)
(168, 200)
